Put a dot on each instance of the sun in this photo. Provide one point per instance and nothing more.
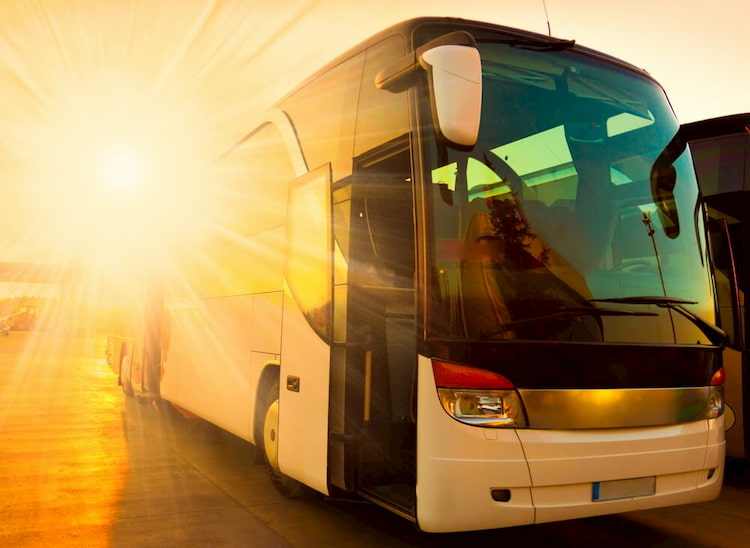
(113, 115)
(112, 183)
(120, 168)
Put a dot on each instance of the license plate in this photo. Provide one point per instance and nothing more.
(623, 489)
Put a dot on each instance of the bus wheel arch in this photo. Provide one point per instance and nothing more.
(267, 436)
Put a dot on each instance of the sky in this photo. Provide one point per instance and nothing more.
(131, 92)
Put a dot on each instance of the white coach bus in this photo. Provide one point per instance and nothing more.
(463, 273)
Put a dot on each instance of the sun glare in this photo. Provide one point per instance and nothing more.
(113, 115)
(120, 168)
(115, 181)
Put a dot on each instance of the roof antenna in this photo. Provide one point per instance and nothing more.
(546, 15)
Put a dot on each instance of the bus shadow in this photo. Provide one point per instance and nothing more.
(191, 483)
(183, 478)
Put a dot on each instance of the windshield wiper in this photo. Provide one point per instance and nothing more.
(714, 333)
(573, 311)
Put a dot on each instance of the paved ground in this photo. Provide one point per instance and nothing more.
(81, 465)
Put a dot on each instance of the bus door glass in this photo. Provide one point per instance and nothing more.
(381, 320)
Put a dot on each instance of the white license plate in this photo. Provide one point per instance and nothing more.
(623, 489)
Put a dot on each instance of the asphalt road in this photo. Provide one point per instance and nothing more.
(82, 465)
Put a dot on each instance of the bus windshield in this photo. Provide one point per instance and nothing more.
(577, 195)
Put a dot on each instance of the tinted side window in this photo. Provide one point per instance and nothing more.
(323, 114)
(382, 115)
(719, 164)
(245, 230)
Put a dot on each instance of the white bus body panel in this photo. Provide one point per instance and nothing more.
(550, 473)
(303, 414)
(217, 350)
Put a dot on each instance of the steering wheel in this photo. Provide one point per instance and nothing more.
(493, 162)
(507, 174)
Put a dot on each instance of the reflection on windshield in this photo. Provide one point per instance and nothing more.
(508, 273)
(563, 201)
(561, 314)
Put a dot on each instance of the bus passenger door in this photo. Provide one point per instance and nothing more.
(379, 354)
(305, 332)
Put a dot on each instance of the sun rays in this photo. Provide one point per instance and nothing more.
(113, 124)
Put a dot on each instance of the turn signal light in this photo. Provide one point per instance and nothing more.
(715, 406)
(719, 377)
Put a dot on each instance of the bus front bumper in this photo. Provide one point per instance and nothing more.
(471, 478)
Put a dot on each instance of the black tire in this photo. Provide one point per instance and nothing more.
(152, 370)
(286, 486)
(151, 389)
(127, 386)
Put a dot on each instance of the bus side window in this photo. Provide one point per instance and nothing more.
(726, 242)
(381, 115)
(260, 166)
(385, 178)
(323, 113)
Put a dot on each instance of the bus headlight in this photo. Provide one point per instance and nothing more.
(497, 408)
(478, 396)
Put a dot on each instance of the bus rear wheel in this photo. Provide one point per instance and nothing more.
(285, 485)
(127, 386)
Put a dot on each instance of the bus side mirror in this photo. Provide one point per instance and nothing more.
(663, 179)
(455, 80)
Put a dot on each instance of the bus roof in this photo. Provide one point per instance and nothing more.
(407, 27)
(714, 127)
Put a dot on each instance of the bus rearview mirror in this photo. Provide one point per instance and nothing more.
(455, 76)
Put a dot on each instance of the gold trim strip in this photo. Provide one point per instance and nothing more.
(569, 409)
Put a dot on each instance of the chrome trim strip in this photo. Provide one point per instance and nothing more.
(570, 409)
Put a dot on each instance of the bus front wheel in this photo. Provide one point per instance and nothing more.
(285, 485)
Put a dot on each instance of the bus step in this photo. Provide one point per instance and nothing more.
(396, 497)
(346, 438)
